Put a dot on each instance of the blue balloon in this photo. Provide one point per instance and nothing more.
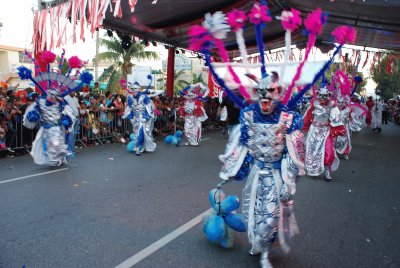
(215, 198)
(168, 139)
(131, 146)
(227, 240)
(178, 134)
(174, 140)
(215, 228)
(235, 221)
(230, 203)
(132, 136)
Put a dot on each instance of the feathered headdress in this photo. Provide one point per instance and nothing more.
(196, 91)
(55, 81)
(135, 86)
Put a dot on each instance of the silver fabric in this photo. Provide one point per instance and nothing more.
(377, 115)
(50, 114)
(315, 150)
(266, 142)
(139, 122)
(53, 148)
(344, 142)
(266, 210)
(325, 117)
(56, 149)
(192, 127)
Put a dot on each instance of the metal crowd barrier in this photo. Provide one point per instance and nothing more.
(99, 128)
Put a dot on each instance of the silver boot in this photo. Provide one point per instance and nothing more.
(328, 177)
(264, 260)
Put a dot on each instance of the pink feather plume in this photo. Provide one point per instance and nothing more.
(75, 62)
(259, 14)
(199, 36)
(344, 34)
(237, 19)
(48, 57)
(291, 20)
(315, 21)
(341, 79)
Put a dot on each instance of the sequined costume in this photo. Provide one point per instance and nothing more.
(376, 112)
(51, 111)
(270, 156)
(140, 112)
(269, 153)
(193, 112)
(323, 123)
(351, 122)
(50, 146)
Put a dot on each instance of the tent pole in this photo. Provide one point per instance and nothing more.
(170, 72)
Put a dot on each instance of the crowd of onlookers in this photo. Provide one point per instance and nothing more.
(100, 117)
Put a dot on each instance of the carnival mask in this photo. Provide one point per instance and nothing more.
(323, 95)
(53, 96)
(268, 92)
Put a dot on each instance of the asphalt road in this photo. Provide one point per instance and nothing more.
(109, 205)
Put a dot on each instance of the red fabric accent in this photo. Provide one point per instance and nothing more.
(338, 131)
(308, 118)
(181, 111)
(198, 111)
(329, 152)
(368, 118)
(370, 104)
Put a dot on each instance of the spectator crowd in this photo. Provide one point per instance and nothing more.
(99, 113)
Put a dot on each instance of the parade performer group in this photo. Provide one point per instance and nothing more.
(270, 145)
(269, 150)
(51, 111)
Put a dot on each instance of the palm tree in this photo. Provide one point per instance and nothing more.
(198, 78)
(179, 84)
(122, 60)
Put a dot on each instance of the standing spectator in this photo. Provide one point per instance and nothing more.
(96, 91)
(385, 112)
(370, 105)
(3, 89)
(73, 102)
(119, 111)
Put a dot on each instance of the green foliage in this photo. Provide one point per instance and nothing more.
(198, 78)
(121, 59)
(387, 84)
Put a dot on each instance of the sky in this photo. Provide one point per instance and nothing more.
(17, 16)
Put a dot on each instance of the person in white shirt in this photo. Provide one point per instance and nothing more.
(73, 102)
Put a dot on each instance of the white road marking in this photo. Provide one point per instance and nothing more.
(33, 175)
(205, 139)
(162, 242)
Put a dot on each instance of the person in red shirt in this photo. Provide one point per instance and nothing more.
(370, 105)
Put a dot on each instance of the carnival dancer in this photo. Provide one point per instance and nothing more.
(268, 153)
(140, 111)
(56, 117)
(193, 112)
(377, 116)
(270, 148)
(348, 115)
(323, 123)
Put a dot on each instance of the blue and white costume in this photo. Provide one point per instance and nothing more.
(140, 112)
(51, 110)
(56, 120)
